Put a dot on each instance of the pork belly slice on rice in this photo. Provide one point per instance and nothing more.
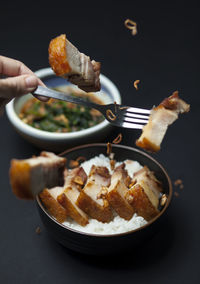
(160, 118)
(92, 198)
(74, 182)
(67, 62)
(150, 179)
(30, 176)
(144, 195)
(49, 199)
(117, 191)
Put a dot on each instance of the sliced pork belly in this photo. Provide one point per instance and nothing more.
(149, 178)
(117, 191)
(74, 182)
(161, 117)
(76, 67)
(29, 177)
(92, 198)
(49, 199)
(144, 195)
(76, 178)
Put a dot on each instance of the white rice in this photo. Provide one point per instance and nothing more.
(101, 160)
(118, 224)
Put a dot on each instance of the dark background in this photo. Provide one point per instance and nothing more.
(164, 55)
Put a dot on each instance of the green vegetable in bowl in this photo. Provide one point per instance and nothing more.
(60, 116)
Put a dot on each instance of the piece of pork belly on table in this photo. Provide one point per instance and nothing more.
(144, 195)
(74, 182)
(30, 176)
(76, 67)
(92, 198)
(160, 118)
(117, 191)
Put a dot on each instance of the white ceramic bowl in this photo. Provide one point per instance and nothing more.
(60, 141)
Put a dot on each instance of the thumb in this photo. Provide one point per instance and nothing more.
(16, 86)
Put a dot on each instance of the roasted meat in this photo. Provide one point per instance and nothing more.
(92, 198)
(150, 179)
(49, 199)
(161, 117)
(76, 67)
(117, 191)
(74, 182)
(29, 177)
(144, 195)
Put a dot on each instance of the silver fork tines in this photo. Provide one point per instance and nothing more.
(138, 110)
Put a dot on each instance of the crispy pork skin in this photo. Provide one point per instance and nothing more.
(76, 67)
(150, 179)
(143, 201)
(29, 177)
(68, 201)
(92, 198)
(117, 191)
(160, 118)
(49, 199)
(145, 193)
(74, 182)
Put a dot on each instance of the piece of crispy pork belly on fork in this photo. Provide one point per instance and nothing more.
(29, 177)
(76, 67)
(160, 118)
(117, 191)
(144, 195)
(92, 198)
(74, 182)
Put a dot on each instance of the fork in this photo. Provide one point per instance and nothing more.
(118, 115)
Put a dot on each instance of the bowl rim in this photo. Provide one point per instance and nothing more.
(37, 133)
(117, 234)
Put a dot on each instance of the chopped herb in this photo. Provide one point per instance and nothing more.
(59, 116)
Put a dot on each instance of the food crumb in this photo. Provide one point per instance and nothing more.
(38, 230)
(109, 148)
(176, 193)
(118, 139)
(163, 200)
(112, 164)
(73, 164)
(181, 186)
(136, 82)
(131, 25)
(178, 182)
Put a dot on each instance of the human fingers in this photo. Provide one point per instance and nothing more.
(17, 86)
(12, 67)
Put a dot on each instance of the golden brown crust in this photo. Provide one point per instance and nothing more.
(147, 145)
(71, 210)
(53, 206)
(102, 171)
(170, 103)
(20, 179)
(93, 209)
(140, 202)
(120, 204)
(58, 56)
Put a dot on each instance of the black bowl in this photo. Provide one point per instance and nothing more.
(106, 244)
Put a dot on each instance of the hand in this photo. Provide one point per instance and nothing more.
(20, 80)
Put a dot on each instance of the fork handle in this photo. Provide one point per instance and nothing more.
(45, 92)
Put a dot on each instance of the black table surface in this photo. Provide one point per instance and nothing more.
(164, 55)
